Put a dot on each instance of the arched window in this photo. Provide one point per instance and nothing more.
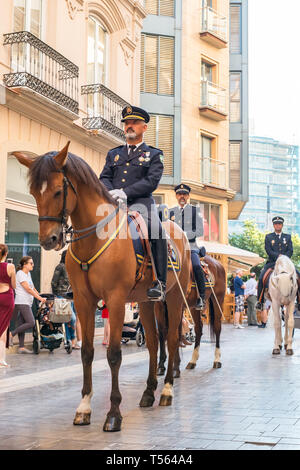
(97, 52)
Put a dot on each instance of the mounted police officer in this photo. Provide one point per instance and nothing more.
(131, 173)
(276, 244)
(189, 218)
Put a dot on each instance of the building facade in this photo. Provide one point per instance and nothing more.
(238, 107)
(67, 68)
(273, 185)
(190, 102)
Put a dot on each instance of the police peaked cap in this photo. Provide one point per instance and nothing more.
(278, 220)
(132, 112)
(182, 188)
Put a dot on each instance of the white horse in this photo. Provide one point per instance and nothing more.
(283, 291)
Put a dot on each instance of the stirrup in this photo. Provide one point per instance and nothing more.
(161, 296)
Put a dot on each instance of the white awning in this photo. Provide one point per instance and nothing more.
(237, 258)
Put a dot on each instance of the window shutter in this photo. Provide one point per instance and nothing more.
(235, 166)
(166, 65)
(160, 134)
(235, 29)
(166, 7)
(150, 65)
(151, 7)
(142, 74)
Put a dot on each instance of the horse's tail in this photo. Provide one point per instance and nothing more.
(211, 320)
(166, 316)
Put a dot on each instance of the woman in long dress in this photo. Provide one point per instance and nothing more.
(7, 302)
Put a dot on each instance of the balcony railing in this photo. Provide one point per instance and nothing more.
(104, 108)
(214, 23)
(40, 68)
(213, 97)
(214, 172)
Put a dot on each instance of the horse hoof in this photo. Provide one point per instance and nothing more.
(191, 365)
(165, 400)
(276, 352)
(146, 401)
(82, 419)
(161, 371)
(217, 365)
(176, 374)
(289, 352)
(285, 347)
(112, 424)
(280, 347)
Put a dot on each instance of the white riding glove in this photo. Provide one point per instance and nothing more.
(119, 195)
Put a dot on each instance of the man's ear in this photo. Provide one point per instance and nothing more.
(62, 156)
(23, 159)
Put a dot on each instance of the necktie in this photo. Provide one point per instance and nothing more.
(131, 150)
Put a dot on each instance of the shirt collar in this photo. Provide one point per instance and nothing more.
(136, 146)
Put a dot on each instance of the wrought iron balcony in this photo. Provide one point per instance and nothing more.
(214, 172)
(104, 108)
(213, 27)
(41, 69)
(213, 101)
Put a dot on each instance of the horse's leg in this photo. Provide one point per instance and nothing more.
(85, 307)
(175, 314)
(217, 330)
(116, 308)
(277, 328)
(289, 327)
(198, 333)
(148, 321)
(162, 333)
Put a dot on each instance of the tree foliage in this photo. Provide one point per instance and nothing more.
(253, 239)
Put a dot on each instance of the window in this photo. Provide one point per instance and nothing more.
(160, 134)
(211, 220)
(97, 52)
(157, 64)
(235, 97)
(16, 182)
(206, 156)
(206, 71)
(235, 166)
(235, 29)
(28, 16)
(160, 7)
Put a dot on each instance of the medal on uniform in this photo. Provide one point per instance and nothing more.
(141, 159)
(147, 154)
(117, 158)
(147, 159)
(273, 241)
(284, 241)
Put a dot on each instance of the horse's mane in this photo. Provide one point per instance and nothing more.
(284, 263)
(76, 168)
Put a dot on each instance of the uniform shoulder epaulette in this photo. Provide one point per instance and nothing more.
(155, 148)
(115, 148)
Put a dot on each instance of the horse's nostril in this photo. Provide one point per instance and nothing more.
(54, 238)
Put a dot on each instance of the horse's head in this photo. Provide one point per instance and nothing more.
(49, 186)
(284, 276)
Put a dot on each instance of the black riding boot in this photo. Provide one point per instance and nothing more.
(159, 249)
(260, 294)
(200, 281)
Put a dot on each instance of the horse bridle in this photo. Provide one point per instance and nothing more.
(63, 219)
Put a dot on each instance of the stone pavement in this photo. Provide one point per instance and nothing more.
(252, 402)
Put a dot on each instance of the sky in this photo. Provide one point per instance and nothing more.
(274, 69)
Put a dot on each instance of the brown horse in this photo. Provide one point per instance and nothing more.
(102, 265)
(214, 301)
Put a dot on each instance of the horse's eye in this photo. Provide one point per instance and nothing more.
(57, 194)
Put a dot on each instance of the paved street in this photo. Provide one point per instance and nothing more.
(252, 402)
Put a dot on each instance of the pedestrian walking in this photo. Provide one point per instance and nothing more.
(251, 298)
(264, 314)
(239, 287)
(105, 316)
(61, 288)
(7, 301)
(25, 293)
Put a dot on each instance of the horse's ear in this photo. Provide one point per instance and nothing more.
(62, 156)
(23, 159)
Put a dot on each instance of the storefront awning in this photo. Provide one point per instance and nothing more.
(237, 258)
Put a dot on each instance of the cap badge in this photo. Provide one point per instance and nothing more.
(129, 110)
(117, 158)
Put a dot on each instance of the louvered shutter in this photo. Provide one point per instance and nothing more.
(149, 62)
(142, 74)
(235, 166)
(235, 29)
(151, 7)
(166, 7)
(166, 65)
(165, 142)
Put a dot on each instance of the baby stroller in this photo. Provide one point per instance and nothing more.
(49, 334)
(133, 330)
